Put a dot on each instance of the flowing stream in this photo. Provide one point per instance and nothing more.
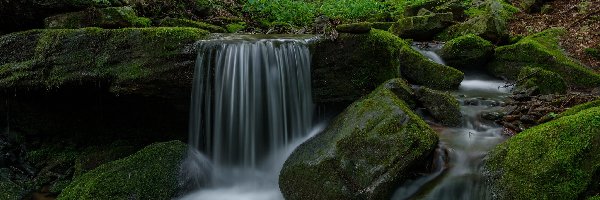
(251, 106)
(458, 173)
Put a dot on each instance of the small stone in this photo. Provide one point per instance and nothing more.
(528, 119)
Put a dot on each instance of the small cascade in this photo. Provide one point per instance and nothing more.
(251, 106)
(462, 148)
(250, 97)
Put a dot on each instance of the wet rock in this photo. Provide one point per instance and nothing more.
(422, 27)
(441, 105)
(363, 154)
(471, 102)
(511, 118)
(529, 119)
(492, 116)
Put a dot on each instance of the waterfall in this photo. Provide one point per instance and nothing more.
(251, 106)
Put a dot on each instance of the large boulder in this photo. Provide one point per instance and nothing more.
(369, 149)
(147, 60)
(543, 81)
(541, 50)
(556, 160)
(422, 27)
(112, 17)
(353, 65)
(468, 51)
(529, 5)
(151, 173)
(488, 20)
(444, 107)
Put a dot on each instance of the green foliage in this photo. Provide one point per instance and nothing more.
(295, 12)
(353, 10)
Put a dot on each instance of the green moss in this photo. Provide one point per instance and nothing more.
(420, 70)
(421, 27)
(236, 27)
(555, 160)
(468, 51)
(174, 22)
(362, 27)
(382, 25)
(579, 108)
(76, 56)
(10, 190)
(150, 173)
(597, 197)
(112, 17)
(441, 105)
(541, 50)
(545, 81)
(363, 154)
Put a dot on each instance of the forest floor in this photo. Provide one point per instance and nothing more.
(581, 18)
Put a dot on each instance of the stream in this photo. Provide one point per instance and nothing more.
(252, 107)
(458, 173)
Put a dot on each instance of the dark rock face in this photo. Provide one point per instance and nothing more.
(372, 146)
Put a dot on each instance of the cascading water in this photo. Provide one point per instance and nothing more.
(251, 106)
(463, 148)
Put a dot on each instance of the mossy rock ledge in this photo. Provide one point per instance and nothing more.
(374, 145)
(422, 27)
(541, 50)
(556, 160)
(345, 69)
(112, 17)
(151, 173)
(132, 60)
(543, 81)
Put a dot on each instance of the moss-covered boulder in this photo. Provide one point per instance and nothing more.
(541, 50)
(456, 7)
(129, 60)
(363, 154)
(422, 27)
(150, 173)
(112, 17)
(361, 27)
(544, 81)
(488, 20)
(345, 69)
(174, 22)
(556, 160)
(594, 52)
(441, 105)
(469, 51)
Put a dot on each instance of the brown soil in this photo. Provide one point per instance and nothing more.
(581, 18)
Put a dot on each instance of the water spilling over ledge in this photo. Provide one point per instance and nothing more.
(251, 99)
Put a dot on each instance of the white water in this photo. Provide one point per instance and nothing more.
(251, 107)
(463, 147)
